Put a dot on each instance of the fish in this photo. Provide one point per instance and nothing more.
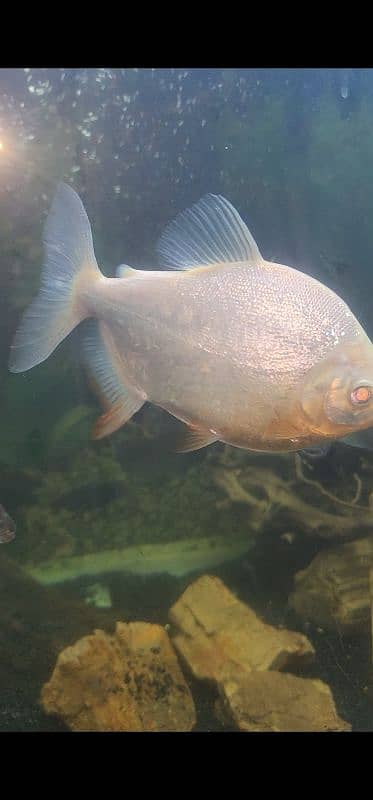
(249, 352)
(7, 527)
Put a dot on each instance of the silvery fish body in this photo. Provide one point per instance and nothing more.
(242, 350)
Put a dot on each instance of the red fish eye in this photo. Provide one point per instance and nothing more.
(361, 394)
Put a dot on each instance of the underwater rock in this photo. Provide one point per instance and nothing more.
(130, 681)
(277, 701)
(333, 591)
(222, 639)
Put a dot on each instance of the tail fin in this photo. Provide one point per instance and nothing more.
(58, 308)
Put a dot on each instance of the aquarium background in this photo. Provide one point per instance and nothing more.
(292, 150)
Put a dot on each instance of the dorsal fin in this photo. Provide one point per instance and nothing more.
(209, 232)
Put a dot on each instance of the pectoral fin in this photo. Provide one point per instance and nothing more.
(117, 416)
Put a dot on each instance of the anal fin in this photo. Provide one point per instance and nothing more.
(192, 438)
(119, 399)
(113, 419)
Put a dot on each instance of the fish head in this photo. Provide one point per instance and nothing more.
(336, 397)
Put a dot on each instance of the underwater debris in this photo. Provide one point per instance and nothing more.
(353, 503)
(127, 682)
(175, 558)
(221, 638)
(7, 527)
(98, 595)
(333, 591)
(277, 701)
(266, 493)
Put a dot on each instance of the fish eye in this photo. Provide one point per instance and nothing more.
(361, 395)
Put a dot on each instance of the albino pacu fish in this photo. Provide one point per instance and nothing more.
(242, 350)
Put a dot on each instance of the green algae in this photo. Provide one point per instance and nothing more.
(101, 500)
(175, 558)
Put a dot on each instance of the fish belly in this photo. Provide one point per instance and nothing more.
(196, 349)
(193, 384)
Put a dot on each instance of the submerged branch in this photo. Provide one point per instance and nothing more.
(267, 495)
(349, 503)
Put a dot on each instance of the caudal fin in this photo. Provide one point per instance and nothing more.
(69, 261)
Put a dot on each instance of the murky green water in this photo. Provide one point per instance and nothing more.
(116, 529)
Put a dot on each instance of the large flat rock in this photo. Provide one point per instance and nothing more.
(276, 701)
(220, 637)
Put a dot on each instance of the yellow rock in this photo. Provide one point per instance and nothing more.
(276, 701)
(130, 681)
(220, 637)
